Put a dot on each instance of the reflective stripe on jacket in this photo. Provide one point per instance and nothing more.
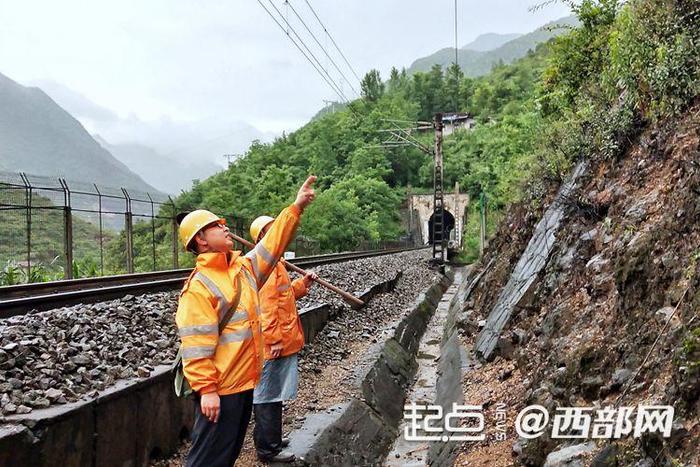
(232, 362)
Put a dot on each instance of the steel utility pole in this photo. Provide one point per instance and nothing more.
(230, 158)
(327, 103)
(438, 196)
(402, 137)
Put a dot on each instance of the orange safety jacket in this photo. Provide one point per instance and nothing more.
(280, 319)
(232, 362)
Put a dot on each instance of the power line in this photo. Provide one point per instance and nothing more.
(456, 56)
(403, 137)
(321, 46)
(332, 40)
(337, 88)
(329, 80)
(332, 86)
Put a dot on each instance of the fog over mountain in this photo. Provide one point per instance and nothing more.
(185, 150)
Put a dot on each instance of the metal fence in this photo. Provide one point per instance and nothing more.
(53, 228)
(67, 229)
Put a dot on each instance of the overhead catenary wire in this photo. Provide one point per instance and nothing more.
(337, 88)
(456, 53)
(332, 40)
(330, 82)
(318, 62)
(335, 65)
(407, 138)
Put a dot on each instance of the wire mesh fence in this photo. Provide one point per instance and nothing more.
(53, 229)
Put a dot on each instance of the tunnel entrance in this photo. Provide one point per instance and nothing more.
(448, 226)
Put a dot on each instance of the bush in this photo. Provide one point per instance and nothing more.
(627, 65)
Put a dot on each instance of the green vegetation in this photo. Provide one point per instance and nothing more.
(47, 237)
(690, 350)
(362, 187)
(628, 64)
(115, 252)
(583, 94)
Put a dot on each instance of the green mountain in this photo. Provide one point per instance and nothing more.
(38, 137)
(490, 41)
(477, 58)
(362, 187)
(529, 131)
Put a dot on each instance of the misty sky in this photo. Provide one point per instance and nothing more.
(151, 68)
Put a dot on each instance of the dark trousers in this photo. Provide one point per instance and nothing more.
(218, 444)
(268, 429)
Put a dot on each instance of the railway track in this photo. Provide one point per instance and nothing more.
(21, 299)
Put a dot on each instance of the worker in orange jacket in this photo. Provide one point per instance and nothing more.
(224, 368)
(283, 337)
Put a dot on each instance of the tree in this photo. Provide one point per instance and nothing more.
(372, 87)
(454, 100)
(335, 221)
(370, 162)
(394, 79)
(355, 210)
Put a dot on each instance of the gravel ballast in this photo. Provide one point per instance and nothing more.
(71, 353)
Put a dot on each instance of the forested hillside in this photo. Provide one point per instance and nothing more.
(362, 186)
(533, 117)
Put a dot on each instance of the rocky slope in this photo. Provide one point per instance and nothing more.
(612, 317)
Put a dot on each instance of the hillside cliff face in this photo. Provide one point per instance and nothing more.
(623, 273)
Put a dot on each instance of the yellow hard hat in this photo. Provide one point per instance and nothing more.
(259, 224)
(194, 222)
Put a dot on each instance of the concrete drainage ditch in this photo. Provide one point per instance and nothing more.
(441, 363)
(361, 431)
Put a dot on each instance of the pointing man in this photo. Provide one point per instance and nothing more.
(224, 368)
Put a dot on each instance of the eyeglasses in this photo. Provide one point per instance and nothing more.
(219, 224)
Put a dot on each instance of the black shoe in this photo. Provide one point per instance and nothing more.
(282, 456)
(285, 442)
